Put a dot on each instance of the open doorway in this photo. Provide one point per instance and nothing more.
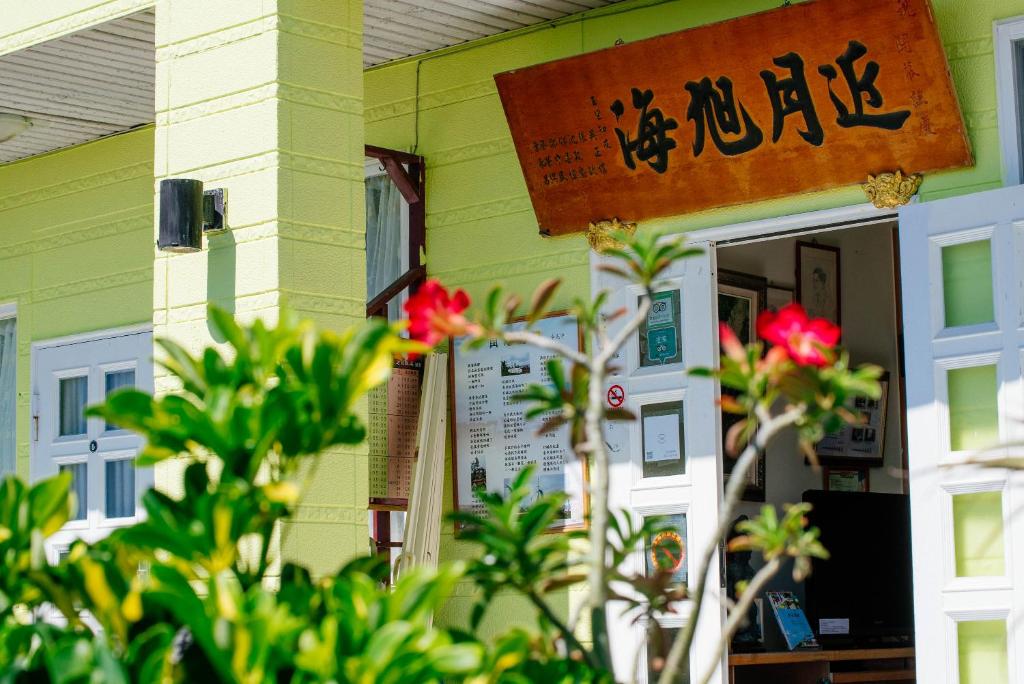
(861, 599)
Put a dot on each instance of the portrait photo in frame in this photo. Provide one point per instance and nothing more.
(741, 297)
(818, 281)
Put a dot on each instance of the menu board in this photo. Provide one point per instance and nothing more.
(393, 417)
(491, 437)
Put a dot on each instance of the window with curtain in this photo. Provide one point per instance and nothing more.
(79, 486)
(383, 238)
(115, 380)
(74, 394)
(120, 488)
(8, 395)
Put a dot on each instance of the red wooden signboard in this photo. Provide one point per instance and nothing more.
(806, 97)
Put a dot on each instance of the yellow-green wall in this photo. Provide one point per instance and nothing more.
(480, 224)
(76, 227)
(76, 246)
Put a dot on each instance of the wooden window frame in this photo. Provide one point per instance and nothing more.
(1009, 84)
(408, 173)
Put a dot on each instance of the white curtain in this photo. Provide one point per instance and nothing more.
(383, 236)
(120, 486)
(8, 395)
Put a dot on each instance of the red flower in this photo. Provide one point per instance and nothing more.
(434, 314)
(807, 341)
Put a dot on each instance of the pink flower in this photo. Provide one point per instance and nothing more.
(807, 341)
(434, 314)
(730, 343)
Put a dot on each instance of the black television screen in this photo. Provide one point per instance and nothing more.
(868, 578)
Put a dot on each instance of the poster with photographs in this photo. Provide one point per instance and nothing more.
(492, 440)
(863, 443)
(818, 281)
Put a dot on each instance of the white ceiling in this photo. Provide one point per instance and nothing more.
(393, 29)
(80, 87)
(99, 81)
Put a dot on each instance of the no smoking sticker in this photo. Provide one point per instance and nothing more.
(616, 396)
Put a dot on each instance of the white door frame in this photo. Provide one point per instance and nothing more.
(853, 216)
(943, 598)
(60, 342)
(91, 528)
(839, 218)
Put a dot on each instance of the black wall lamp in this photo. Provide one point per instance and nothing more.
(186, 212)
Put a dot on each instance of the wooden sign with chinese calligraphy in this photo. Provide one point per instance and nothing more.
(805, 97)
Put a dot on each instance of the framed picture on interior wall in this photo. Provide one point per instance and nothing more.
(741, 297)
(860, 445)
(846, 480)
(818, 281)
(777, 297)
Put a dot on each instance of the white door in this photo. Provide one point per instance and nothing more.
(67, 376)
(668, 463)
(962, 269)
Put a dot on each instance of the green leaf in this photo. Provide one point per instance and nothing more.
(48, 503)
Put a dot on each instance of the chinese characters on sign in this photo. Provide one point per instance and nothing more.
(806, 97)
(492, 438)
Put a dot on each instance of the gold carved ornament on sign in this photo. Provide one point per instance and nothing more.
(891, 190)
(600, 234)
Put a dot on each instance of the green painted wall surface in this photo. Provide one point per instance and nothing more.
(76, 246)
(481, 228)
(264, 99)
(76, 227)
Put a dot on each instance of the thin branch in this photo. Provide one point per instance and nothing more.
(739, 611)
(536, 340)
(770, 427)
(599, 475)
(627, 330)
(571, 642)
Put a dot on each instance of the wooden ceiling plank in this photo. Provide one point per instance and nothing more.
(76, 110)
(518, 19)
(530, 12)
(472, 19)
(20, 89)
(487, 23)
(77, 79)
(448, 33)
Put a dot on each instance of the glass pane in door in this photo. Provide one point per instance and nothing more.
(79, 487)
(120, 488)
(116, 380)
(73, 397)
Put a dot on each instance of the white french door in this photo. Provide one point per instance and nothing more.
(68, 376)
(668, 462)
(962, 266)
